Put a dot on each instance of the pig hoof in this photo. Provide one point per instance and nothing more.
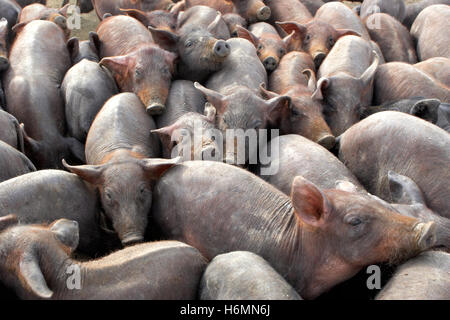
(155, 109)
(327, 142)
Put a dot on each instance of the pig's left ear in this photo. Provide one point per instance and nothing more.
(67, 232)
(64, 9)
(404, 190)
(310, 204)
(287, 40)
(311, 77)
(346, 32)
(266, 93)
(368, 75)
(322, 85)
(275, 106)
(156, 167)
(289, 27)
(117, 65)
(94, 42)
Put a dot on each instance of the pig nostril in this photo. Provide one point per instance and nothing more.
(222, 49)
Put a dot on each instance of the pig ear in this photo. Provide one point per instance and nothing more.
(210, 113)
(287, 40)
(346, 32)
(346, 186)
(94, 42)
(64, 9)
(311, 77)
(369, 74)
(275, 107)
(117, 64)
(213, 97)
(266, 93)
(213, 26)
(137, 14)
(426, 109)
(8, 221)
(89, 173)
(18, 27)
(165, 131)
(292, 26)
(310, 204)
(404, 190)
(73, 45)
(156, 167)
(31, 275)
(165, 38)
(67, 232)
(322, 84)
(245, 34)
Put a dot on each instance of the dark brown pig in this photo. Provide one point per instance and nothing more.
(39, 266)
(305, 116)
(395, 8)
(242, 275)
(393, 38)
(413, 10)
(33, 95)
(119, 152)
(11, 132)
(138, 65)
(4, 62)
(158, 19)
(301, 236)
(85, 89)
(39, 11)
(427, 32)
(233, 20)
(113, 7)
(86, 49)
(363, 150)
(346, 82)
(46, 195)
(13, 163)
(424, 277)
(438, 68)
(270, 47)
(252, 10)
(288, 10)
(399, 80)
(10, 10)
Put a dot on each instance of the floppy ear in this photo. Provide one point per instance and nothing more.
(118, 65)
(213, 97)
(156, 167)
(289, 27)
(311, 77)
(89, 173)
(73, 45)
(31, 276)
(310, 204)
(8, 221)
(165, 38)
(19, 27)
(404, 190)
(369, 74)
(137, 14)
(275, 107)
(245, 34)
(322, 84)
(210, 113)
(67, 232)
(426, 109)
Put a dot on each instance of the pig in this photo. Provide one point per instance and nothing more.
(426, 31)
(393, 38)
(313, 5)
(243, 275)
(85, 89)
(288, 10)
(38, 255)
(409, 81)
(33, 96)
(233, 20)
(119, 141)
(46, 195)
(11, 132)
(85, 6)
(305, 116)
(424, 277)
(223, 6)
(270, 47)
(395, 8)
(86, 49)
(112, 7)
(201, 43)
(346, 82)
(136, 62)
(24, 3)
(158, 19)
(413, 10)
(4, 62)
(253, 10)
(10, 10)
(286, 232)
(13, 163)
(438, 68)
(315, 37)
(37, 11)
(363, 150)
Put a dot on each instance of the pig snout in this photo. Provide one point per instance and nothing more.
(263, 13)
(132, 238)
(4, 63)
(155, 108)
(270, 63)
(327, 141)
(318, 58)
(221, 48)
(426, 235)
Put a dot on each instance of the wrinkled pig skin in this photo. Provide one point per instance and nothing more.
(243, 275)
(38, 263)
(281, 227)
(32, 93)
(13, 163)
(363, 150)
(66, 196)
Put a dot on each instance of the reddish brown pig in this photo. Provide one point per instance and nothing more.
(223, 6)
(4, 62)
(392, 37)
(138, 65)
(157, 19)
(301, 236)
(270, 47)
(113, 7)
(252, 10)
(427, 32)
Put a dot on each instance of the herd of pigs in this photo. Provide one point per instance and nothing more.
(95, 183)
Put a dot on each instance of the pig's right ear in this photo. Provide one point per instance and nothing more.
(156, 167)
(89, 173)
(135, 13)
(309, 203)
(245, 34)
(73, 45)
(311, 77)
(32, 278)
(404, 190)
(292, 26)
(213, 97)
(322, 84)
(8, 221)
(266, 94)
(117, 65)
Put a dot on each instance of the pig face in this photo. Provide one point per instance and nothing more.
(21, 268)
(244, 110)
(4, 63)
(194, 130)
(316, 38)
(125, 187)
(147, 72)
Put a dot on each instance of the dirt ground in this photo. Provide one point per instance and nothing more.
(90, 21)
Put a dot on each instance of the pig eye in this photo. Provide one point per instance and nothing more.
(307, 38)
(355, 221)
(108, 195)
(138, 73)
(260, 47)
(296, 113)
(142, 189)
(331, 42)
(189, 44)
(281, 52)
